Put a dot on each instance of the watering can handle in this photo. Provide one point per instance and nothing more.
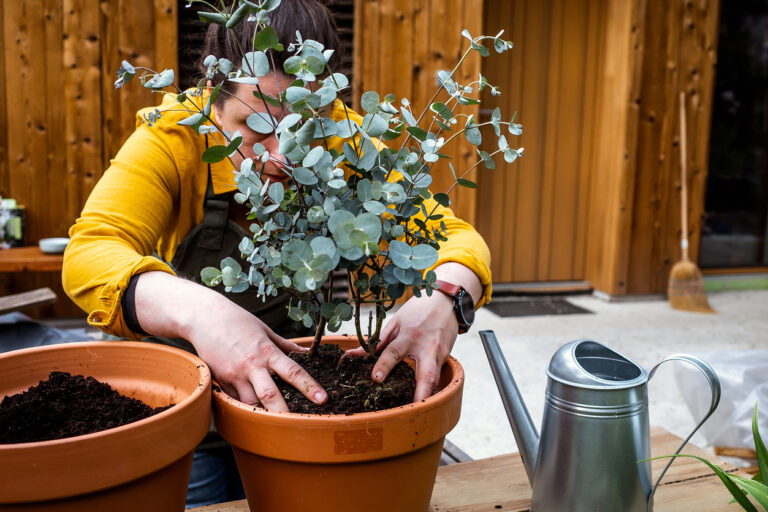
(714, 384)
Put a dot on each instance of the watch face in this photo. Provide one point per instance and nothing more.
(467, 308)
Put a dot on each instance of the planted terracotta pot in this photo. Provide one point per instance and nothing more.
(143, 465)
(374, 461)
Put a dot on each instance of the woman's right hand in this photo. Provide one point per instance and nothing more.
(242, 351)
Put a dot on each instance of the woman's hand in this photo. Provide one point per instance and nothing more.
(242, 352)
(424, 329)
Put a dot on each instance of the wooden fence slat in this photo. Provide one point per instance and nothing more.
(83, 90)
(548, 170)
(4, 168)
(569, 133)
(592, 71)
(59, 216)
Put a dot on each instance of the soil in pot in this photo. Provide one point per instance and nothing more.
(67, 405)
(349, 385)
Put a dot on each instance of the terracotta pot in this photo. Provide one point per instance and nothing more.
(143, 465)
(374, 461)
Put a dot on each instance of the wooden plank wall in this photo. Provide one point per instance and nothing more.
(534, 211)
(595, 84)
(680, 54)
(655, 49)
(399, 46)
(61, 119)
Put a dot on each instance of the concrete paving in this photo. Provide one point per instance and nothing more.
(644, 331)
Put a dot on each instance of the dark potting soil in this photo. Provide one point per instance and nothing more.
(67, 405)
(349, 386)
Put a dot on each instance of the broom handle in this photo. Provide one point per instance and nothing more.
(683, 178)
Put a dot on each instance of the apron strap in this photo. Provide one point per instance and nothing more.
(215, 215)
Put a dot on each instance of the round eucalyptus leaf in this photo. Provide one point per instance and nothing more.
(334, 324)
(397, 231)
(323, 245)
(211, 276)
(295, 254)
(322, 264)
(422, 181)
(325, 128)
(255, 63)
(346, 128)
(337, 183)
(351, 254)
(313, 156)
(304, 176)
(228, 276)
(160, 80)
(370, 224)
(339, 218)
(327, 310)
(374, 207)
(358, 237)
(287, 142)
(287, 122)
(344, 311)
(316, 215)
(342, 236)
(261, 122)
(364, 189)
(423, 256)
(337, 80)
(240, 287)
(246, 246)
(400, 254)
(375, 125)
(394, 192)
(276, 192)
(231, 262)
(403, 275)
(370, 102)
(294, 94)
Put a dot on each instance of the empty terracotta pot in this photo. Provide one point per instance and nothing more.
(375, 461)
(139, 466)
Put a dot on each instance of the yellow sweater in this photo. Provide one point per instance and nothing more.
(151, 196)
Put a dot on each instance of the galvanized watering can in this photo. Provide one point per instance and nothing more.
(594, 430)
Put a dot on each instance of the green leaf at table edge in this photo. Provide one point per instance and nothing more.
(762, 453)
(722, 475)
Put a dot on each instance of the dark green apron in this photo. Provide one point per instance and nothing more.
(214, 239)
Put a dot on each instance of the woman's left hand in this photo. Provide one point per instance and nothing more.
(424, 329)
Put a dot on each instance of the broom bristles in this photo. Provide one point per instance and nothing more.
(686, 288)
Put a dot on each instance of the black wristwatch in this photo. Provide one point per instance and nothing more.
(463, 305)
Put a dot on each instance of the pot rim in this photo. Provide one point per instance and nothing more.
(436, 400)
(54, 469)
(204, 374)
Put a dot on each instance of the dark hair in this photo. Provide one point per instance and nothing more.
(310, 18)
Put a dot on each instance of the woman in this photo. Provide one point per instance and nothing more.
(158, 196)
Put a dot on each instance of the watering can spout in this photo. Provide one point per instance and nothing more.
(522, 426)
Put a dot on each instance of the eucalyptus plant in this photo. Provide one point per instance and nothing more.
(361, 210)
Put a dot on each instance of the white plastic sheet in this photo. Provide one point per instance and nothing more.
(744, 380)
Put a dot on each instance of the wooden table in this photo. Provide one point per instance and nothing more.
(499, 484)
(31, 259)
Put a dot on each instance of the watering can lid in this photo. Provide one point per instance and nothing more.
(586, 363)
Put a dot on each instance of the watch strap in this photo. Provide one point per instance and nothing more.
(448, 288)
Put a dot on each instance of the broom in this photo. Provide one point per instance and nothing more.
(686, 287)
